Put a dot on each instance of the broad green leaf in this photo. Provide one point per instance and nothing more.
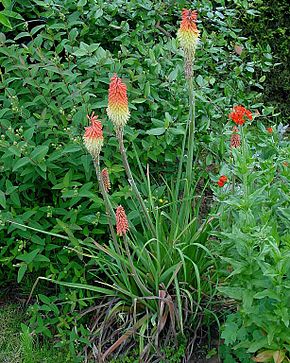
(2, 199)
(229, 333)
(39, 152)
(158, 131)
(21, 273)
(5, 21)
(20, 163)
(28, 257)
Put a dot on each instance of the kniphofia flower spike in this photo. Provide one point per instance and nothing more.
(188, 33)
(106, 179)
(121, 221)
(118, 110)
(93, 137)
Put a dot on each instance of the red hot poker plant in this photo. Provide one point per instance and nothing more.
(106, 179)
(118, 110)
(93, 137)
(188, 33)
(122, 225)
(187, 36)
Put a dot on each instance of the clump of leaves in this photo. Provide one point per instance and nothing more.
(254, 248)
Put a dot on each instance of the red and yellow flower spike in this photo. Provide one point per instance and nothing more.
(188, 33)
(93, 137)
(121, 221)
(118, 110)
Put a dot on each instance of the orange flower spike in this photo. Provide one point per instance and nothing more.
(118, 110)
(188, 33)
(121, 221)
(106, 179)
(93, 137)
(270, 130)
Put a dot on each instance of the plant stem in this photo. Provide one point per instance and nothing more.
(245, 159)
(109, 209)
(119, 134)
(191, 132)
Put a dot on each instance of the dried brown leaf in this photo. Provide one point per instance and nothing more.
(264, 356)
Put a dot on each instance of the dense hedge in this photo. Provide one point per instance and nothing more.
(271, 27)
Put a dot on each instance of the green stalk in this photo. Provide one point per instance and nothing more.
(109, 209)
(181, 161)
(191, 133)
(119, 134)
(186, 210)
(244, 151)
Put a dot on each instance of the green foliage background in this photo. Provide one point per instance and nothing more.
(272, 28)
(57, 69)
(56, 59)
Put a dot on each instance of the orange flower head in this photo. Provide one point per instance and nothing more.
(121, 221)
(239, 115)
(106, 179)
(93, 137)
(222, 181)
(235, 138)
(188, 33)
(118, 110)
(270, 130)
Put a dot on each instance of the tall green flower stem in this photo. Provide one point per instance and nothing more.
(109, 209)
(189, 135)
(119, 134)
(245, 160)
(191, 132)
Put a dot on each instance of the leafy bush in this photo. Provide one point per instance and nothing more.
(254, 244)
(55, 71)
(55, 68)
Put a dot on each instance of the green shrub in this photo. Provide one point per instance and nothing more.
(271, 30)
(254, 247)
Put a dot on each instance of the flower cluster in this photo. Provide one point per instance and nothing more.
(187, 36)
(235, 138)
(188, 33)
(222, 181)
(240, 114)
(106, 179)
(118, 110)
(121, 221)
(93, 137)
